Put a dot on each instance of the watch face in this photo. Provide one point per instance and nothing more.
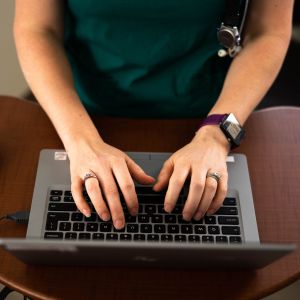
(232, 129)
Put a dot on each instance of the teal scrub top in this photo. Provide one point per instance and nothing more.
(136, 58)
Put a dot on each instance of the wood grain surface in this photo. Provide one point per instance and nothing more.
(272, 147)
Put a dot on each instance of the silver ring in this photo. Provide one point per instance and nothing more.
(214, 175)
(89, 175)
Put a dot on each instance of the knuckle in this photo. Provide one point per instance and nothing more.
(128, 187)
(177, 181)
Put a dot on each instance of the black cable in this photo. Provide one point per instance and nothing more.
(21, 217)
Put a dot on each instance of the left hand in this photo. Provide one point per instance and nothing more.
(206, 153)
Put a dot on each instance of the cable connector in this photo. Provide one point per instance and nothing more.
(18, 217)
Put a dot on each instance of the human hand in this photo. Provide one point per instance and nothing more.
(111, 167)
(206, 153)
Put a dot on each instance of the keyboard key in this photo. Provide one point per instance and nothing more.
(187, 229)
(58, 216)
(200, 229)
(51, 225)
(78, 226)
(170, 218)
(213, 230)
(62, 207)
(228, 220)
(177, 209)
(53, 235)
(150, 209)
(235, 239)
(207, 239)
(210, 220)
(143, 190)
(105, 227)
(64, 226)
(70, 235)
(221, 239)
(84, 236)
(77, 217)
(68, 193)
(160, 209)
(194, 238)
(180, 238)
(112, 236)
(68, 199)
(146, 228)
(152, 237)
(55, 198)
(119, 230)
(92, 227)
(130, 219)
(229, 201)
(227, 210)
(92, 218)
(55, 193)
(144, 218)
(166, 238)
(182, 221)
(132, 228)
(197, 221)
(231, 230)
(139, 237)
(98, 236)
(173, 229)
(125, 237)
(159, 228)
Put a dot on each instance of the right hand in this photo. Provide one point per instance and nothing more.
(112, 167)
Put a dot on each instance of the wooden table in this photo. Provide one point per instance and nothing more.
(273, 150)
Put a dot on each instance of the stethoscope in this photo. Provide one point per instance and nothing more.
(230, 31)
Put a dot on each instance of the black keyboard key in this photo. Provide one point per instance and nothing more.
(144, 190)
(112, 236)
(139, 237)
(146, 228)
(160, 209)
(166, 238)
(130, 219)
(51, 225)
(62, 207)
(84, 236)
(173, 229)
(159, 228)
(70, 235)
(207, 239)
(105, 227)
(125, 237)
(78, 226)
(156, 218)
(92, 218)
(229, 201)
(55, 198)
(182, 221)
(227, 211)
(144, 218)
(77, 217)
(119, 230)
(235, 239)
(98, 236)
(64, 226)
(58, 216)
(68, 193)
(197, 221)
(153, 237)
(200, 229)
(187, 229)
(210, 220)
(231, 230)
(177, 209)
(180, 238)
(194, 238)
(150, 209)
(132, 228)
(92, 227)
(221, 239)
(213, 230)
(53, 235)
(55, 193)
(68, 199)
(170, 218)
(228, 220)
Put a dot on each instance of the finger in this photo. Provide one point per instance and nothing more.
(164, 176)
(76, 188)
(138, 173)
(207, 196)
(196, 188)
(220, 194)
(93, 190)
(176, 183)
(109, 187)
(126, 185)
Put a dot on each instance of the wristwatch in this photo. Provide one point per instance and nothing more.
(229, 125)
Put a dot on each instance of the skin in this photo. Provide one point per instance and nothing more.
(38, 31)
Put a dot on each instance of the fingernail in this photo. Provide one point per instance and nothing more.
(134, 211)
(86, 212)
(186, 216)
(118, 224)
(105, 216)
(198, 216)
(211, 212)
(167, 208)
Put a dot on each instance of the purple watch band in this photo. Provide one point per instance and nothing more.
(212, 120)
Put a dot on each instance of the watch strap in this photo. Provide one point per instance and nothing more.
(215, 119)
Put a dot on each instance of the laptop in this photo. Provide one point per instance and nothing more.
(58, 234)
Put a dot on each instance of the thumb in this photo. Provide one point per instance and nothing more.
(138, 173)
(164, 176)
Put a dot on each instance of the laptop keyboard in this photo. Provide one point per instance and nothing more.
(152, 223)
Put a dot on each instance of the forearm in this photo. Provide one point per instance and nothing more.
(250, 75)
(48, 73)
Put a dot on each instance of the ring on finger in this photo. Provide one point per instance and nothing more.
(217, 176)
(89, 175)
